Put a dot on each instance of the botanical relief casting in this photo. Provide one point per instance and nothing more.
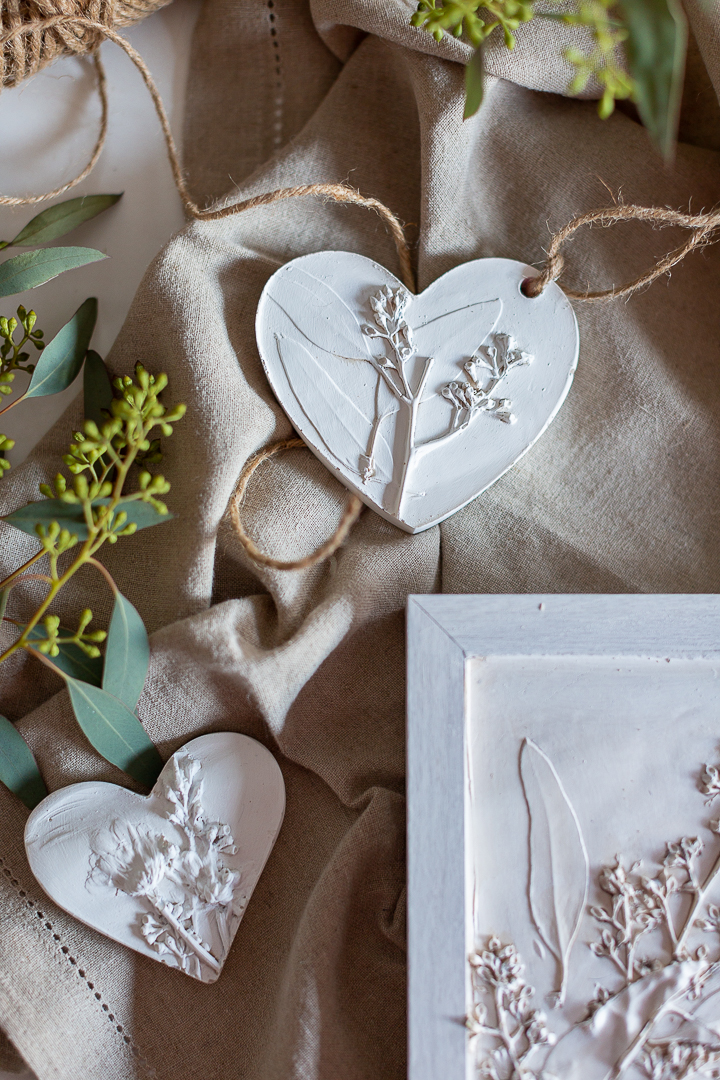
(386, 444)
(185, 886)
(469, 396)
(657, 933)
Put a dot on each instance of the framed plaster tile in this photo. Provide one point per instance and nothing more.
(563, 847)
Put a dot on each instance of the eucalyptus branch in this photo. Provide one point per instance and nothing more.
(21, 569)
(12, 357)
(106, 507)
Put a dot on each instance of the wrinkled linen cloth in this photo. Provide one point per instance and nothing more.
(620, 495)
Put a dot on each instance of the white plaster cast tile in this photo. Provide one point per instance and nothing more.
(169, 874)
(595, 793)
(416, 403)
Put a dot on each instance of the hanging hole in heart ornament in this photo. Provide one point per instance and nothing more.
(529, 287)
(417, 403)
(170, 874)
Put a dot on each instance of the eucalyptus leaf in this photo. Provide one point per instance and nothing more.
(58, 220)
(656, 47)
(33, 268)
(559, 868)
(71, 659)
(127, 653)
(70, 515)
(61, 359)
(115, 732)
(474, 83)
(4, 597)
(97, 388)
(18, 770)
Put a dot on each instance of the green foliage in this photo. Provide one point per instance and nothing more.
(33, 268)
(601, 63)
(18, 770)
(70, 658)
(97, 387)
(61, 219)
(474, 84)
(127, 654)
(461, 16)
(115, 732)
(62, 359)
(58, 365)
(75, 519)
(12, 356)
(5, 444)
(127, 517)
(653, 33)
(656, 48)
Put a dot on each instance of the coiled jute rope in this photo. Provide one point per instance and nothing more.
(36, 32)
(350, 515)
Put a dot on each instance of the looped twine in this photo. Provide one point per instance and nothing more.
(350, 515)
(704, 227)
(80, 28)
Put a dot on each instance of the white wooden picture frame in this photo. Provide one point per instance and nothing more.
(445, 634)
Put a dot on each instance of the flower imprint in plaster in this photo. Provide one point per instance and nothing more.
(656, 1010)
(191, 897)
(396, 365)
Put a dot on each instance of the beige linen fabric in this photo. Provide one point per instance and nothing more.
(619, 495)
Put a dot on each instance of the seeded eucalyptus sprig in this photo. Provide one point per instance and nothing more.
(653, 34)
(109, 495)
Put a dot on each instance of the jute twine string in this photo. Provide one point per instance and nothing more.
(30, 43)
(350, 515)
(40, 31)
(340, 193)
(30, 200)
(704, 227)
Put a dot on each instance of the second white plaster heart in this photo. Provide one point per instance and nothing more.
(416, 403)
(169, 874)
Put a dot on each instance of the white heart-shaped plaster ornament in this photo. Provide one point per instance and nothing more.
(416, 403)
(169, 874)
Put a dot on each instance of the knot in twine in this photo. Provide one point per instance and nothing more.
(33, 33)
(704, 227)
